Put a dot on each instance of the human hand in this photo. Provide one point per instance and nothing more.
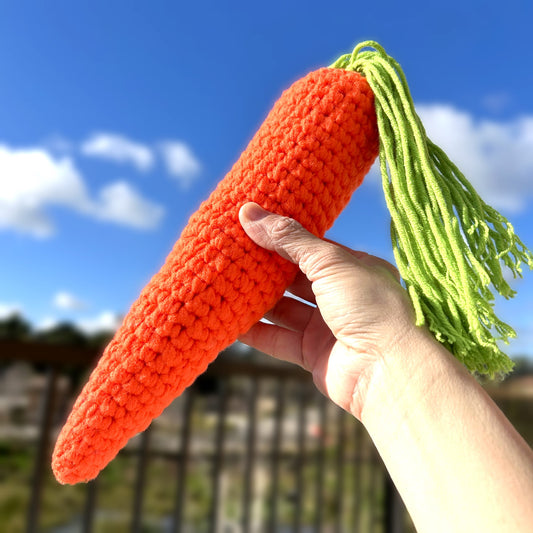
(355, 309)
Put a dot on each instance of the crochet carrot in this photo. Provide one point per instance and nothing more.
(305, 161)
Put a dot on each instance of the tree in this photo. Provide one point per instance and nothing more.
(15, 327)
(523, 366)
(63, 333)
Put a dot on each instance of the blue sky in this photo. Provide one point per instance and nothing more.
(118, 118)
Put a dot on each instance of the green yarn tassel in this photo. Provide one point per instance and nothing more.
(448, 244)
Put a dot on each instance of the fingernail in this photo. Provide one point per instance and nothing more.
(252, 212)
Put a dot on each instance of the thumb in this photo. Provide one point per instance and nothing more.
(283, 235)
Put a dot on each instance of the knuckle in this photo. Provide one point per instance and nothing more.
(290, 239)
(284, 235)
(282, 227)
(323, 258)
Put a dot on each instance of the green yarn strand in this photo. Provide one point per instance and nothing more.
(449, 245)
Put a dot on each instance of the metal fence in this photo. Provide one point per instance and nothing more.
(250, 447)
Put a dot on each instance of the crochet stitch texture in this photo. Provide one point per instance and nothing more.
(305, 161)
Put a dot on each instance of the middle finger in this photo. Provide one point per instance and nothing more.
(291, 314)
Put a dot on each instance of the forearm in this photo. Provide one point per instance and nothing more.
(454, 457)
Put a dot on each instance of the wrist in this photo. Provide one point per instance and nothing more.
(455, 459)
(403, 378)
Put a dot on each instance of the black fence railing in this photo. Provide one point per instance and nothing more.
(250, 447)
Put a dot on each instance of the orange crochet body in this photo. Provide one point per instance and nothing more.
(305, 161)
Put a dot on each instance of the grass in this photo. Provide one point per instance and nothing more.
(362, 489)
(63, 505)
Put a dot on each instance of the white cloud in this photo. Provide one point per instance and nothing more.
(47, 323)
(67, 301)
(105, 321)
(120, 203)
(180, 161)
(32, 181)
(8, 310)
(120, 149)
(496, 157)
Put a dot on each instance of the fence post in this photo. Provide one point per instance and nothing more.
(140, 483)
(45, 425)
(185, 445)
(320, 458)
(90, 506)
(218, 460)
(300, 459)
(250, 457)
(394, 507)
